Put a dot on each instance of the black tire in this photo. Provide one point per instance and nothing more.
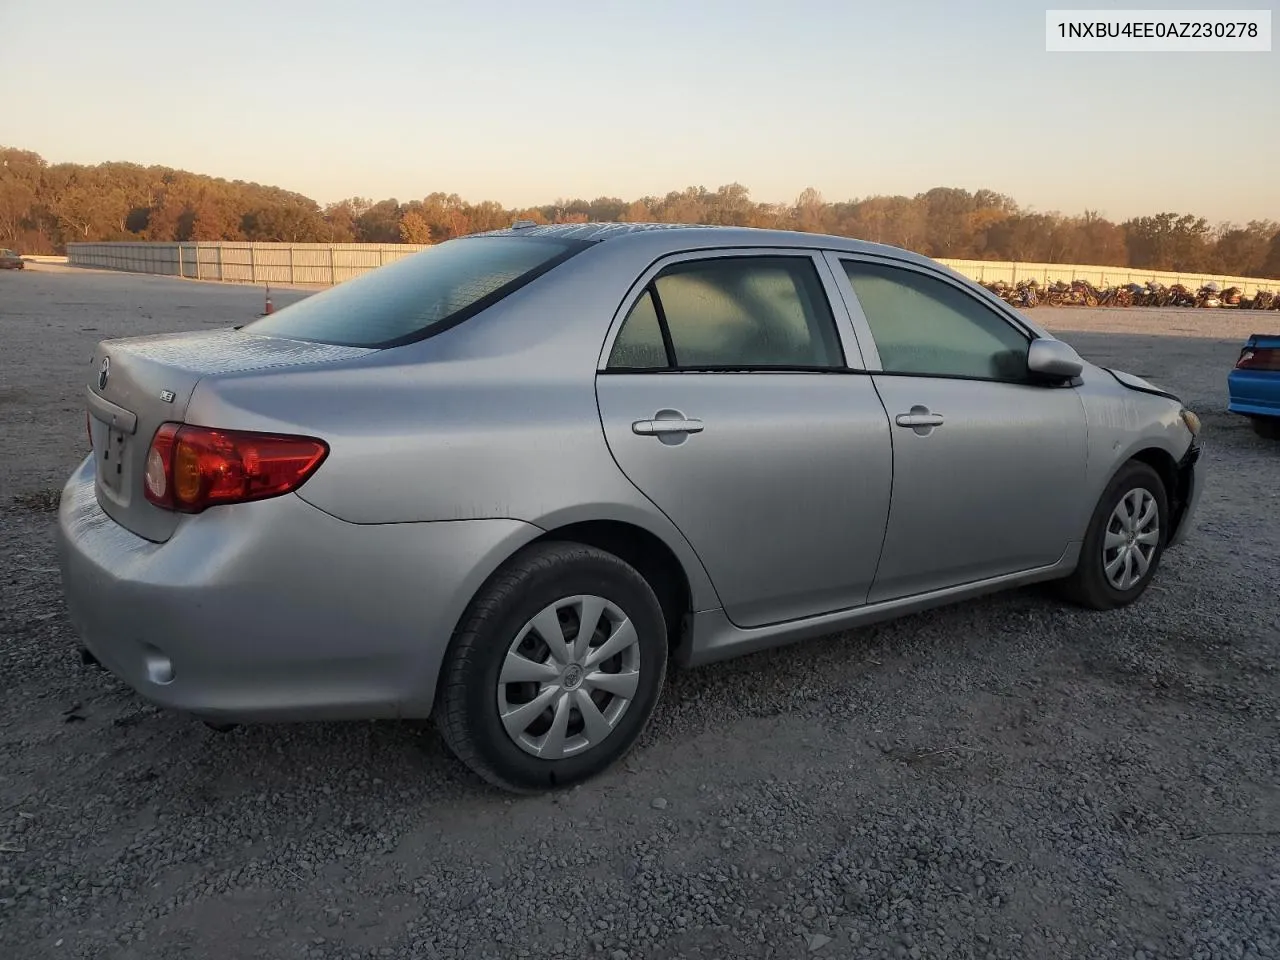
(1088, 586)
(1268, 428)
(466, 709)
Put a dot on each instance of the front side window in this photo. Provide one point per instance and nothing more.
(927, 327)
(405, 300)
(733, 313)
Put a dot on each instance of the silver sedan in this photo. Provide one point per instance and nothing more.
(504, 481)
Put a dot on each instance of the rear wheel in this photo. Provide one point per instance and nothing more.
(555, 669)
(1124, 543)
(1266, 427)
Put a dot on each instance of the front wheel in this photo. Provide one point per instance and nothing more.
(1124, 543)
(554, 670)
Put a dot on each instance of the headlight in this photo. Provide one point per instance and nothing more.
(1192, 421)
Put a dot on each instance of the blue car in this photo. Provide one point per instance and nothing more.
(1253, 387)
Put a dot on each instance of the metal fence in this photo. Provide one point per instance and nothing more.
(320, 264)
(1011, 272)
(325, 264)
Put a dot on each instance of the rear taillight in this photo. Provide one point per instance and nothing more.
(1259, 358)
(192, 468)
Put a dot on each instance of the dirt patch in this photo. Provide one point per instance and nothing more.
(40, 501)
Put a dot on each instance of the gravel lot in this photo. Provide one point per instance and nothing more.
(1004, 778)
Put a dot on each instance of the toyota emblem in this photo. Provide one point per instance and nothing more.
(104, 373)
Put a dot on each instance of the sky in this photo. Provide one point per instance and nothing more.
(526, 103)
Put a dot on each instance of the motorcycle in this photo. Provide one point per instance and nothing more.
(1231, 297)
(1056, 294)
(1152, 295)
(1207, 296)
(1128, 295)
(1024, 295)
(1181, 296)
(1083, 292)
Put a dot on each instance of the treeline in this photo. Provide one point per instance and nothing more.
(44, 206)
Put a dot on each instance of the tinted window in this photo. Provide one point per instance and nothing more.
(923, 325)
(639, 344)
(748, 312)
(405, 299)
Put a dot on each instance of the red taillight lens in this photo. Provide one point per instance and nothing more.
(1259, 358)
(192, 468)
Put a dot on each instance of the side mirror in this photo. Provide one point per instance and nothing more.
(1053, 360)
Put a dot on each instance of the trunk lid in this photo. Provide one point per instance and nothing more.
(138, 383)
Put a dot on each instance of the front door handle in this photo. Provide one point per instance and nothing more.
(658, 428)
(919, 420)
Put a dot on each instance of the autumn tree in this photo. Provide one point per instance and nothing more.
(283, 223)
(45, 206)
(380, 222)
(1168, 241)
(1242, 250)
(341, 219)
(414, 229)
(810, 211)
(1271, 265)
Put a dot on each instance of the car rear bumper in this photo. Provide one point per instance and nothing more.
(1254, 393)
(1187, 495)
(274, 610)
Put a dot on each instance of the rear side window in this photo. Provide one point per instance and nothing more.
(748, 312)
(419, 295)
(639, 345)
(731, 313)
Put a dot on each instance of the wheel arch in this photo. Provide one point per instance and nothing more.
(651, 556)
(1175, 481)
(673, 570)
(1164, 464)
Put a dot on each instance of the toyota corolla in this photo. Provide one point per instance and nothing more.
(504, 481)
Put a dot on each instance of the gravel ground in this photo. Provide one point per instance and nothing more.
(1003, 778)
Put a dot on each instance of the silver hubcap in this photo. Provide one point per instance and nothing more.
(569, 676)
(1132, 535)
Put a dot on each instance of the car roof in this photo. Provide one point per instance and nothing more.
(695, 236)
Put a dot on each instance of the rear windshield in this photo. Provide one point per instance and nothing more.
(419, 295)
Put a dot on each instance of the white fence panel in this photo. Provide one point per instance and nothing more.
(324, 264)
(989, 271)
(310, 264)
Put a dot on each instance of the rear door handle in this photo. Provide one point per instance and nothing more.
(657, 428)
(919, 420)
